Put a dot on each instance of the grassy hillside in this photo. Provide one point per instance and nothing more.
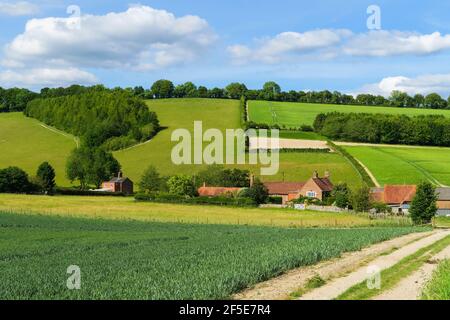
(29, 143)
(400, 165)
(221, 114)
(152, 261)
(297, 114)
(26, 143)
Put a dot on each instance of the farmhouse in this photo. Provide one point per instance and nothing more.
(211, 192)
(118, 184)
(398, 197)
(316, 187)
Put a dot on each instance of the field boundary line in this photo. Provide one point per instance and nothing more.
(339, 286)
(77, 142)
(375, 181)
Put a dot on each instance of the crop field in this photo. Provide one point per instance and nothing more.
(135, 260)
(297, 114)
(26, 143)
(405, 165)
(118, 208)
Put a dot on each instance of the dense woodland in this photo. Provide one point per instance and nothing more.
(382, 128)
(100, 117)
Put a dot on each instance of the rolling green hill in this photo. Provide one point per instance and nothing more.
(297, 114)
(405, 165)
(28, 144)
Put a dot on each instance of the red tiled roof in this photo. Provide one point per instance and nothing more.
(283, 188)
(399, 194)
(324, 184)
(216, 191)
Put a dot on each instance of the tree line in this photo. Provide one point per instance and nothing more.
(426, 130)
(16, 99)
(271, 91)
(113, 120)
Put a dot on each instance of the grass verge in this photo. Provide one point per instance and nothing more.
(439, 286)
(391, 276)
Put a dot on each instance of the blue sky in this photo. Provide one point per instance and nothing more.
(307, 45)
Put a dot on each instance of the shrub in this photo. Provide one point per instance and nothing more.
(14, 180)
(218, 201)
(181, 185)
(258, 192)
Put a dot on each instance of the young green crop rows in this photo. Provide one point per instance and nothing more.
(136, 260)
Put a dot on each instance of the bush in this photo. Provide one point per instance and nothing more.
(258, 192)
(14, 180)
(306, 128)
(176, 199)
(381, 208)
(181, 185)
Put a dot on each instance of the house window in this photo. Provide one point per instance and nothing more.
(311, 194)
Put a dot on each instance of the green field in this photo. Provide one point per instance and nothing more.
(119, 208)
(296, 114)
(404, 165)
(136, 260)
(439, 286)
(26, 143)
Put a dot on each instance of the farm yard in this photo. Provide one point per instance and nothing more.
(297, 114)
(136, 260)
(405, 165)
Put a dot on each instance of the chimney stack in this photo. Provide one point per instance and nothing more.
(327, 174)
(315, 175)
(119, 175)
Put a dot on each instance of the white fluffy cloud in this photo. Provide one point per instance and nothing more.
(391, 43)
(20, 8)
(46, 77)
(327, 43)
(287, 44)
(424, 84)
(140, 38)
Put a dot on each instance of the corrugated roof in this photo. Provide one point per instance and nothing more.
(443, 193)
(283, 188)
